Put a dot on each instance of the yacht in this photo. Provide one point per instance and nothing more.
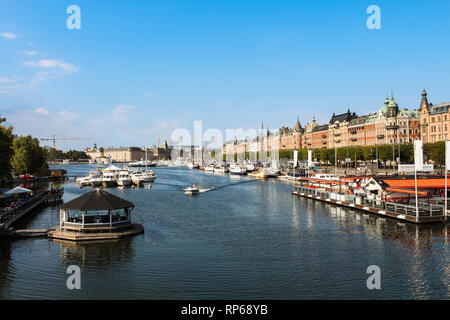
(124, 178)
(191, 190)
(209, 168)
(220, 169)
(326, 176)
(94, 178)
(237, 170)
(84, 181)
(250, 167)
(109, 179)
(193, 166)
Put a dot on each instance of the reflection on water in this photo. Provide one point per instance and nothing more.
(246, 239)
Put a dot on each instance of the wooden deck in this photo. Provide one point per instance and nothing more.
(118, 233)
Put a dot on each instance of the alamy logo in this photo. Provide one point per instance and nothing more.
(74, 20)
(74, 280)
(374, 281)
(374, 20)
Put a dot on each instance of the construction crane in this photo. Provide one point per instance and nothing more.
(64, 139)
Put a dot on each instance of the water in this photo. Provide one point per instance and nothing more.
(247, 239)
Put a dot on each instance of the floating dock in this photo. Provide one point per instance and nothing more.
(93, 235)
(396, 211)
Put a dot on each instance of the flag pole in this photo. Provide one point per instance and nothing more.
(446, 168)
(417, 200)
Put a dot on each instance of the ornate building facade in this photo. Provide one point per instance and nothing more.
(389, 125)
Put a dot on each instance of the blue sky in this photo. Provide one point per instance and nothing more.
(137, 70)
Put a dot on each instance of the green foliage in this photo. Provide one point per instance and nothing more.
(6, 138)
(432, 151)
(75, 155)
(29, 157)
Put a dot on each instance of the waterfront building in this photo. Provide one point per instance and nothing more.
(338, 129)
(434, 120)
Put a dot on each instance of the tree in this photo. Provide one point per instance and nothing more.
(6, 139)
(29, 157)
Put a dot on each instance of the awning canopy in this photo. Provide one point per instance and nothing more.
(429, 183)
(97, 200)
(408, 191)
(17, 190)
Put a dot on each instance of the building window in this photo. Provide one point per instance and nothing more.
(432, 119)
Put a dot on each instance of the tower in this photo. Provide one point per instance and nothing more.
(424, 101)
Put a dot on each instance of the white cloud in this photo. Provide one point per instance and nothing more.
(149, 93)
(8, 35)
(122, 112)
(53, 64)
(5, 80)
(30, 53)
(41, 111)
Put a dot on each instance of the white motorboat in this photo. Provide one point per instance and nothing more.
(191, 190)
(237, 170)
(326, 176)
(109, 179)
(250, 167)
(220, 169)
(123, 178)
(209, 168)
(84, 182)
(94, 178)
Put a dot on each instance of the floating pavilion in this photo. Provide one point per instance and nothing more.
(96, 215)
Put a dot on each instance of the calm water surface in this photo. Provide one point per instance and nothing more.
(245, 240)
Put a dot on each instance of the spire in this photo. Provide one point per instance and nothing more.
(297, 127)
(424, 102)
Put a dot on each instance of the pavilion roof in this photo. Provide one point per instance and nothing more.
(97, 199)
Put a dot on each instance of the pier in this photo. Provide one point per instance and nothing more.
(27, 208)
(427, 213)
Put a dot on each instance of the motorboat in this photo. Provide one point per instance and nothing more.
(326, 176)
(209, 168)
(193, 166)
(94, 178)
(123, 178)
(220, 169)
(109, 179)
(191, 190)
(237, 170)
(84, 181)
(259, 175)
(250, 167)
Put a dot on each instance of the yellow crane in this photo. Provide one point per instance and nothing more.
(63, 139)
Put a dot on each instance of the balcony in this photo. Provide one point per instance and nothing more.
(392, 127)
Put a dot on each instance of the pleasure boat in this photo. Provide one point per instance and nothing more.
(259, 175)
(84, 182)
(220, 169)
(326, 176)
(124, 178)
(250, 167)
(94, 178)
(193, 166)
(191, 190)
(209, 168)
(109, 179)
(237, 170)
